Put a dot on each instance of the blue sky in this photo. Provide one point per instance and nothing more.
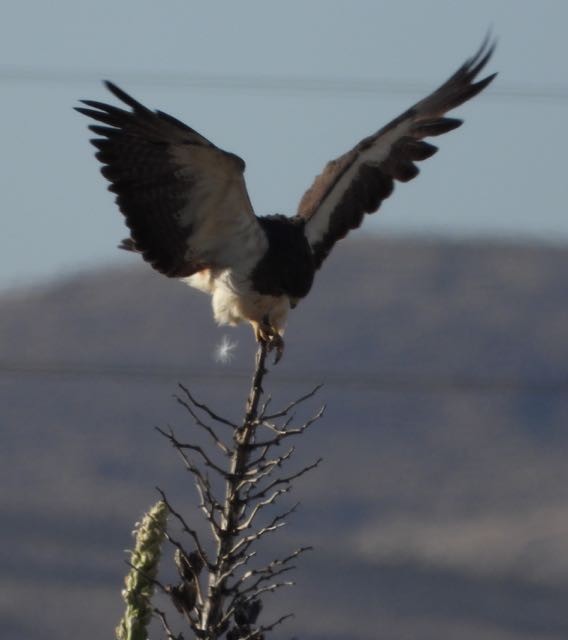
(287, 86)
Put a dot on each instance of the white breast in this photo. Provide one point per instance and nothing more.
(234, 300)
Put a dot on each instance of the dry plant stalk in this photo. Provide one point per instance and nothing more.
(219, 593)
(139, 584)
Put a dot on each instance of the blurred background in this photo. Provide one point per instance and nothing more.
(440, 329)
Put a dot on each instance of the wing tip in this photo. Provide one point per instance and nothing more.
(479, 60)
(119, 93)
(481, 57)
(127, 244)
(462, 85)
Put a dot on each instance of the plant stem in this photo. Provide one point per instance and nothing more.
(233, 504)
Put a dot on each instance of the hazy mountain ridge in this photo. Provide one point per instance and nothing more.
(440, 509)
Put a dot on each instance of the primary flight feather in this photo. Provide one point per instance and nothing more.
(186, 204)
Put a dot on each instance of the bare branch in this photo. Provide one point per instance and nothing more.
(193, 447)
(276, 523)
(253, 481)
(208, 509)
(280, 620)
(208, 504)
(283, 431)
(262, 465)
(237, 564)
(206, 409)
(260, 505)
(162, 617)
(284, 412)
(224, 448)
(191, 532)
(285, 480)
(264, 407)
(269, 589)
(270, 571)
(233, 505)
(188, 462)
(263, 629)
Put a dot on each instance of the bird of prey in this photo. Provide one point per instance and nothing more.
(186, 204)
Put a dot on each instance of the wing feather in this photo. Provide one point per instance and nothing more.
(184, 200)
(358, 181)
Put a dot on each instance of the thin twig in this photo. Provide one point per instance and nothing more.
(264, 628)
(162, 617)
(269, 589)
(262, 464)
(260, 505)
(284, 480)
(283, 431)
(276, 523)
(265, 405)
(193, 447)
(191, 532)
(206, 409)
(216, 439)
(284, 412)
(237, 564)
(272, 570)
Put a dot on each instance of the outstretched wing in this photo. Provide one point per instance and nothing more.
(357, 182)
(184, 199)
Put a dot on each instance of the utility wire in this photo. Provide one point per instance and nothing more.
(283, 85)
(425, 382)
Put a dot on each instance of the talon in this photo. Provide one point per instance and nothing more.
(266, 333)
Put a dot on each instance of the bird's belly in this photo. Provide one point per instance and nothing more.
(234, 300)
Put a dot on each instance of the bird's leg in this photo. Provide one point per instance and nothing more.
(277, 343)
(265, 332)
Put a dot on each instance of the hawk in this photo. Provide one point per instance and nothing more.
(186, 204)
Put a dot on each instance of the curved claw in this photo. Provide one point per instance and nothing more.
(277, 343)
(267, 334)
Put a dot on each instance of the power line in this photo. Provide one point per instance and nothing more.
(284, 85)
(424, 382)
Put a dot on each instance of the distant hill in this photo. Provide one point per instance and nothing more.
(441, 509)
